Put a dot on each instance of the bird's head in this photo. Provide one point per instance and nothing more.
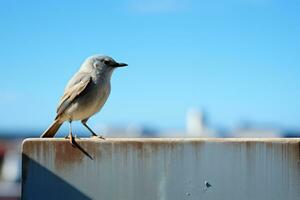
(106, 63)
(101, 64)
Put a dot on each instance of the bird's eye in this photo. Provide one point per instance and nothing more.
(106, 62)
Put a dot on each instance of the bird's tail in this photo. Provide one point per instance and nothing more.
(53, 128)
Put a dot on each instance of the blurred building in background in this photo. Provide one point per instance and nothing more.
(196, 124)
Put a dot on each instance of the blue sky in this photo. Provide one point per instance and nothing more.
(238, 60)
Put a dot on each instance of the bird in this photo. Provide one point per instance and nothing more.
(84, 95)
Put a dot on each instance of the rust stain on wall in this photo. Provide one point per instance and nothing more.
(241, 168)
(66, 154)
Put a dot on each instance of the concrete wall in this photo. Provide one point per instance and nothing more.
(162, 169)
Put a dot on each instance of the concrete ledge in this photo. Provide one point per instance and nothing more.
(166, 169)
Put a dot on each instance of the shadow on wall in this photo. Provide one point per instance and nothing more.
(40, 183)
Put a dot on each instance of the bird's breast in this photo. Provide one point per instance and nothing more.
(91, 101)
(102, 92)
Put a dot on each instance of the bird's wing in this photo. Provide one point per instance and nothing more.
(78, 83)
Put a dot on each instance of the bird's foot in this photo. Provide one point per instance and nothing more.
(98, 137)
(68, 137)
(71, 140)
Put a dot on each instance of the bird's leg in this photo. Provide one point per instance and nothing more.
(70, 137)
(93, 133)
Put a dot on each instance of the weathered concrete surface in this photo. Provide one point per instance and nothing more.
(162, 169)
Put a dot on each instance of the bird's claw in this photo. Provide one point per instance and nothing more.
(98, 137)
(72, 141)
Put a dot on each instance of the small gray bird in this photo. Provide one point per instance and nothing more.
(85, 94)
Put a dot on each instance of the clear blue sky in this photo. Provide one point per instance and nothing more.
(237, 59)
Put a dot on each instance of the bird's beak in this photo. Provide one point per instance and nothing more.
(121, 65)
